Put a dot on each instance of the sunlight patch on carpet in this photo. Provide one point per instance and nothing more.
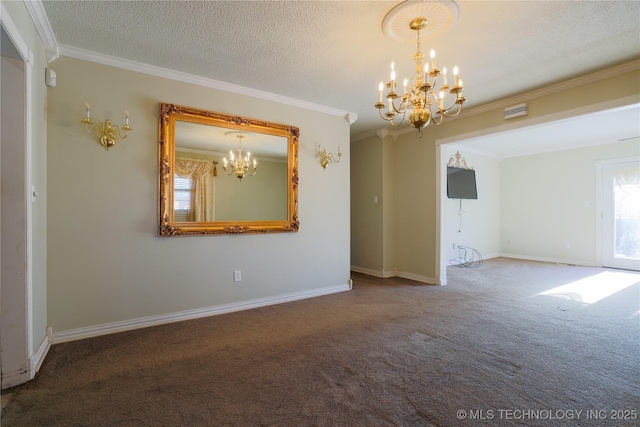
(594, 288)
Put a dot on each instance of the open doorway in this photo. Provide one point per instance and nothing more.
(578, 129)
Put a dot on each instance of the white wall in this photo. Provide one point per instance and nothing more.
(478, 225)
(548, 207)
(106, 266)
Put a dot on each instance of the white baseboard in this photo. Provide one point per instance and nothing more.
(551, 260)
(23, 375)
(416, 277)
(387, 274)
(36, 359)
(489, 256)
(381, 274)
(127, 325)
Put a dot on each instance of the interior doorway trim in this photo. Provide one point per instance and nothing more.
(441, 161)
(27, 57)
(600, 165)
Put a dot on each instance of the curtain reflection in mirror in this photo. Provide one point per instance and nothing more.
(197, 194)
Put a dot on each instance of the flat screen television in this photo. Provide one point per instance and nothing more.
(461, 183)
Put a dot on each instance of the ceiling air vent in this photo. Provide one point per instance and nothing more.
(515, 111)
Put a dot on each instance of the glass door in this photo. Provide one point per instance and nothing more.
(621, 215)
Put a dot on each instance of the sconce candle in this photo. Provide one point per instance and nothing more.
(107, 133)
(325, 158)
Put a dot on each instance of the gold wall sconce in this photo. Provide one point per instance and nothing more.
(107, 133)
(325, 158)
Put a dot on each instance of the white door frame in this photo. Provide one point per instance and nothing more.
(600, 164)
(22, 298)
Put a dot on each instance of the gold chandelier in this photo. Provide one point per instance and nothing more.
(421, 101)
(238, 165)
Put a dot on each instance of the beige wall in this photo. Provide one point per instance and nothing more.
(105, 262)
(414, 206)
(388, 207)
(367, 216)
(372, 206)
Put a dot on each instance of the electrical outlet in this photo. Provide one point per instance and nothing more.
(237, 276)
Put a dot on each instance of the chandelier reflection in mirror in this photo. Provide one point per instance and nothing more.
(422, 101)
(237, 164)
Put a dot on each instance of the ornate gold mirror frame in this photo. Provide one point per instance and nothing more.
(168, 225)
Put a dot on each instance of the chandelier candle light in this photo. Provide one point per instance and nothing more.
(421, 100)
(107, 133)
(239, 165)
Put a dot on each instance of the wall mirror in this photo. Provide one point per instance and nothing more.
(223, 174)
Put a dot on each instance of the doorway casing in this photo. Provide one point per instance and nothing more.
(16, 328)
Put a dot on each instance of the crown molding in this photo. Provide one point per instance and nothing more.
(351, 118)
(112, 61)
(551, 89)
(41, 21)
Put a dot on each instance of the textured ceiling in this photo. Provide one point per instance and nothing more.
(334, 53)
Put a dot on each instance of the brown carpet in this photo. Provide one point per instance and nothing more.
(389, 353)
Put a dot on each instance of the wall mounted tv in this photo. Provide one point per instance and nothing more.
(461, 183)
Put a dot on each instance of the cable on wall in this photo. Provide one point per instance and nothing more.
(460, 212)
(467, 258)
